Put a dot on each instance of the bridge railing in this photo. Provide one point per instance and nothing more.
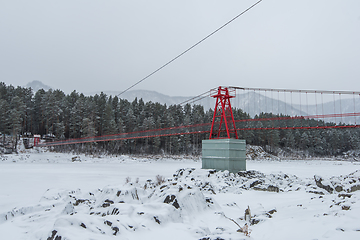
(171, 131)
(270, 123)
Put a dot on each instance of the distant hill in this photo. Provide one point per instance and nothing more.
(249, 102)
(254, 103)
(147, 96)
(36, 85)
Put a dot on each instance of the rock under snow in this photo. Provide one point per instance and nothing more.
(140, 207)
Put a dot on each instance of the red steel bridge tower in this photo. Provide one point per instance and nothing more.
(223, 115)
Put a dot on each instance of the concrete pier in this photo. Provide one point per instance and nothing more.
(224, 154)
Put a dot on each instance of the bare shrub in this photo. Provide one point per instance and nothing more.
(159, 179)
(127, 180)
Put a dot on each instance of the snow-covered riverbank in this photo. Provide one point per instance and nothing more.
(47, 195)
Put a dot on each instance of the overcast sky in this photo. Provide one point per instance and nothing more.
(98, 45)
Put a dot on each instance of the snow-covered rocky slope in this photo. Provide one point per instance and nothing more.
(143, 198)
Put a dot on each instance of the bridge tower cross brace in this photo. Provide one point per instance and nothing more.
(223, 111)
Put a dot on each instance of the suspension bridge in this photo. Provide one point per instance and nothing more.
(265, 109)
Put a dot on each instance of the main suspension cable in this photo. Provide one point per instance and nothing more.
(196, 98)
(193, 46)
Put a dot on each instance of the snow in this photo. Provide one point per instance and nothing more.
(45, 195)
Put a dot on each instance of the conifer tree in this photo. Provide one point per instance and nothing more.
(16, 114)
(4, 117)
(39, 118)
(109, 124)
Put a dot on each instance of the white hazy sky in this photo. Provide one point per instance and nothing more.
(89, 45)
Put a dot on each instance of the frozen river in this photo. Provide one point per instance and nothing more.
(25, 178)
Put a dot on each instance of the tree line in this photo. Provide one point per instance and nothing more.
(75, 115)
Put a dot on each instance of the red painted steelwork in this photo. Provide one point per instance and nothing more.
(337, 115)
(283, 128)
(223, 111)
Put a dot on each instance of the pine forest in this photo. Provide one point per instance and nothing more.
(74, 115)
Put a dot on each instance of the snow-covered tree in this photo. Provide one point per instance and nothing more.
(109, 124)
(16, 114)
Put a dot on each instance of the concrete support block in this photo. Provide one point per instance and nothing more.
(224, 154)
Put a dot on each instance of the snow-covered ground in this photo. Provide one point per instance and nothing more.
(52, 196)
